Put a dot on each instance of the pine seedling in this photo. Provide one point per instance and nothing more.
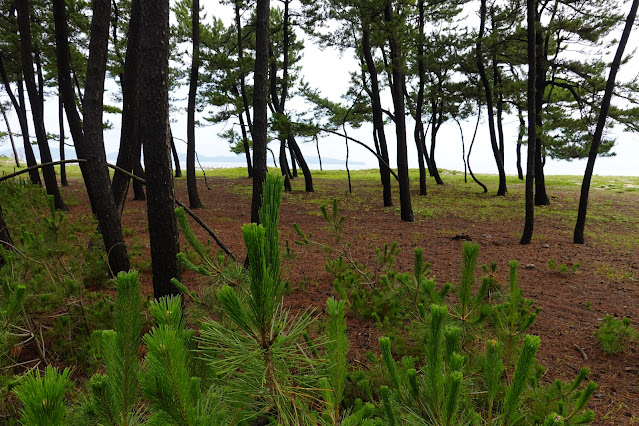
(492, 372)
(434, 368)
(386, 403)
(115, 395)
(510, 409)
(43, 397)
(263, 364)
(336, 350)
(470, 252)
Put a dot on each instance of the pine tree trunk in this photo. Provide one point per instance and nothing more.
(378, 121)
(88, 137)
(191, 182)
(541, 197)
(130, 133)
(308, 179)
(5, 237)
(154, 124)
(520, 139)
(13, 144)
(489, 102)
(176, 158)
(578, 236)
(532, 123)
(34, 176)
(63, 169)
(260, 104)
(419, 126)
(35, 100)
(406, 210)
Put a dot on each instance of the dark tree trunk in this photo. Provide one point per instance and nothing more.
(34, 175)
(293, 160)
(489, 102)
(437, 122)
(247, 148)
(578, 236)
(419, 126)
(260, 104)
(532, 123)
(63, 169)
(520, 139)
(154, 125)
(176, 159)
(240, 58)
(284, 166)
(406, 210)
(541, 197)
(13, 143)
(191, 183)
(378, 120)
(308, 180)
(20, 108)
(89, 139)
(48, 172)
(130, 133)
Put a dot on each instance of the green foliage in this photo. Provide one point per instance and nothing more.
(563, 268)
(43, 397)
(615, 335)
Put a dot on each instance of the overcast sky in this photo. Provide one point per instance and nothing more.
(329, 71)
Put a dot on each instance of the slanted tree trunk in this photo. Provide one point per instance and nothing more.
(130, 133)
(88, 138)
(13, 144)
(245, 104)
(532, 123)
(284, 166)
(308, 180)
(541, 67)
(260, 87)
(176, 159)
(20, 108)
(293, 160)
(63, 169)
(138, 188)
(578, 236)
(436, 120)
(191, 183)
(489, 102)
(520, 139)
(154, 125)
(378, 120)
(419, 126)
(406, 209)
(247, 148)
(48, 172)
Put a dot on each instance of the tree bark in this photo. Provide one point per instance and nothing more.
(176, 158)
(130, 133)
(20, 108)
(63, 167)
(406, 210)
(88, 138)
(436, 121)
(5, 237)
(284, 166)
(191, 183)
(247, 149)
(541, 197)
(489, 102)
(419, 126)
(308, 180)
(532, 123)
(50, 182)
(13, 144)
(260, 87)
(520, 139)
(378, 120)
(154, 125)
(578, 236)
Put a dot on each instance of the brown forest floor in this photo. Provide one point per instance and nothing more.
(572, 303)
